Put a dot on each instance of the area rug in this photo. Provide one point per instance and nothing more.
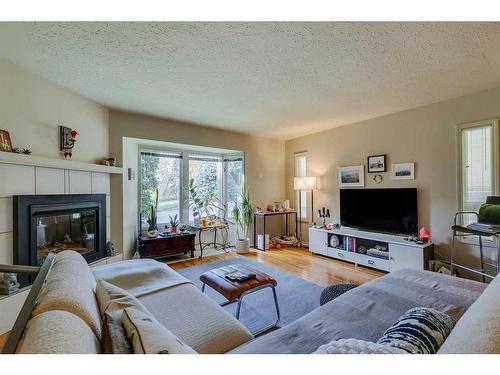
(296, 297)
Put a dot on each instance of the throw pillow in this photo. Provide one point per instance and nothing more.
(420, 330)
(114, 336)
(355, 346)
(112, 298)
(148, 336)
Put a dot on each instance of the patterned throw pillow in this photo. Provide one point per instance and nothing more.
(420, 330)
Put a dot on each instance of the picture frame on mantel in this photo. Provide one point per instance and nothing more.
(353, 176)
(5, 142)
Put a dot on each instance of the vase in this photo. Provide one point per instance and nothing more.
(242, 246)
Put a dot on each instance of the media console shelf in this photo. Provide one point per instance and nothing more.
(382, 251)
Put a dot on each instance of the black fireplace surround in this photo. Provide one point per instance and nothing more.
(53, 223)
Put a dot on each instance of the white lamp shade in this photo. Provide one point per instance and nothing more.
(305, 183)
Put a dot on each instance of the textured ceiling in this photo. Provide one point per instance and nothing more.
(270, 79)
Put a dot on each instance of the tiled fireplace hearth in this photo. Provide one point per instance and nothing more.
(53, 223)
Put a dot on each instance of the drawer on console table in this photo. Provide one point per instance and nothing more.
(165, 246)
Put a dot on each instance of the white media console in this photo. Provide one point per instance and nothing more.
(351, 245)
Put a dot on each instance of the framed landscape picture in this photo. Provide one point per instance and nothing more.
(351, 176)
(376, 164)
(403, 171)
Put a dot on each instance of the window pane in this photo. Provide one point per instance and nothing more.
(207, 173)
(477, 172)
(234, 186)
(162, 172)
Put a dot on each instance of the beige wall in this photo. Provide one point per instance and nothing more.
(265, 163)
(424, 135)
(32, 108)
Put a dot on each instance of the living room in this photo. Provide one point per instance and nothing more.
(249, 187)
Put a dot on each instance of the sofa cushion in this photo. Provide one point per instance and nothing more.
(114, 336)
(150, 337)
(420, 330)
(196, 319)
(112, 298)
(58, 332)
(70, 287)
(355, 346)
(478, 330)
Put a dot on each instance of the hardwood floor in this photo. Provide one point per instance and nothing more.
(300, 263)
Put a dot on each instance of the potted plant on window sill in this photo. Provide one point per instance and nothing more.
(151, 218)
(174, 223)
(242, 214)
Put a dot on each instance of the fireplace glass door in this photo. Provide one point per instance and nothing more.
(74, 230)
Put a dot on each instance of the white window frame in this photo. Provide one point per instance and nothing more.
(302, 216)
(184, 175)
(494, 166)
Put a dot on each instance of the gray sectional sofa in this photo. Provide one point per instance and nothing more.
(363, 313)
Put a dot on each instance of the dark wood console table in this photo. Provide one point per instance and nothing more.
(165, 246)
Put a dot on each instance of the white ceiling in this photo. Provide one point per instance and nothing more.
(270, 79)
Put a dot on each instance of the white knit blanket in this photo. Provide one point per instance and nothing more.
(355, 346)
(139, 276)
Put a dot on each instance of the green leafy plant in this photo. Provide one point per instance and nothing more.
(174, 222)
(152, 214)
(207, 205)
(242, 214)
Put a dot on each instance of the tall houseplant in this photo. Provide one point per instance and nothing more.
(152, 217)
(243, 214)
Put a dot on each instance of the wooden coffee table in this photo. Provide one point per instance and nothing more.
(234, 291)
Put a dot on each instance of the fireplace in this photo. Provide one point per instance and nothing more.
(54, 223)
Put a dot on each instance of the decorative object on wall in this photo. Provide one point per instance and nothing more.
(376, 163)
(351, 176)
(5, 143)
(67, 140)
(403, 171)
(378, 178)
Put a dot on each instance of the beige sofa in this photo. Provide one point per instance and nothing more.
(67, 316)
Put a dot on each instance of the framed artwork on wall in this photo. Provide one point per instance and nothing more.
(351, 176)
(403, 171)
(5, 143)
(376, 164)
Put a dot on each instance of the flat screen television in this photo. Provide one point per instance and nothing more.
(382, 210)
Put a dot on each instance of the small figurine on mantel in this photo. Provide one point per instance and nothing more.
(9, 284)
(110, 249)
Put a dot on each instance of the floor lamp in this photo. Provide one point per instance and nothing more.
(305, 183)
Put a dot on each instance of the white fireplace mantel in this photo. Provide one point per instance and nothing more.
(41, 161)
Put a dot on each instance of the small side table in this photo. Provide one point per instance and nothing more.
(264, 215)
(222, 229)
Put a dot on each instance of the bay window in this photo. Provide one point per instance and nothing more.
(170, 172)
